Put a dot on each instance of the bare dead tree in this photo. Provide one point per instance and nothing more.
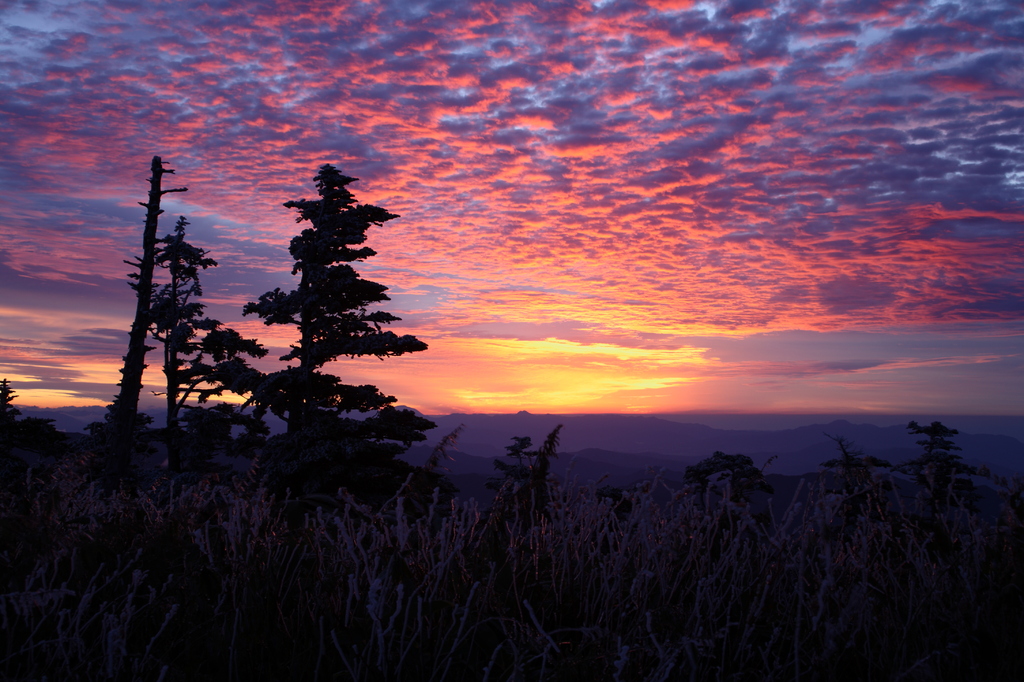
(121, 435)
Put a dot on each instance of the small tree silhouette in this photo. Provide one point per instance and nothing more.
(855, 476)
(941, 473)
(524, 484)
(195, 365)
(738, 470)
(323, 449)
(853, 468)
(31, 434)
(514, 473)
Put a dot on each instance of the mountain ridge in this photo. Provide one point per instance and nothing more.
(650, 441)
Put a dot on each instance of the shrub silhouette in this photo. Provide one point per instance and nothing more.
(856, 475)
(735, 473)
(941, 474)
(30, 434)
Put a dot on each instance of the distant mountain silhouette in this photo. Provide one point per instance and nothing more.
(70, 419)
(625, 446)
(614, 442)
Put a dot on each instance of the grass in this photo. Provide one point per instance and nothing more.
(212, 582)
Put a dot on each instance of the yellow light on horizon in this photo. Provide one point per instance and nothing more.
(497, 375)
(52, 398)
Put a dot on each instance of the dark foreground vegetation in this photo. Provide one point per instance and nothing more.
(223, 582)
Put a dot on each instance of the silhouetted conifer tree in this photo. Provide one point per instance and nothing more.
(942, 474)
(524, 484)
(853, 468)
(98, 440)
(855, 476)
(514, 473)
(122, 427)
(31, 434)
(743, 477)
(210, 431)
(324, 449)
(197, 365)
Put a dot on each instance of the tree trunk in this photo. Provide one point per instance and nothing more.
(173, 437)
(172, 430)
(122, 434)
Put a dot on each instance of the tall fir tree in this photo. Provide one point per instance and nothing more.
(195, 364)
(325, 448)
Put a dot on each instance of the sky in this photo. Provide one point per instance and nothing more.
(619, 206)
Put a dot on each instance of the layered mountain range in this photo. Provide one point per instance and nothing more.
(623, 449)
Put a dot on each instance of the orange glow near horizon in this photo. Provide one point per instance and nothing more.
(550, 374)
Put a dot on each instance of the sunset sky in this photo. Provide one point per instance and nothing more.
(618, 206)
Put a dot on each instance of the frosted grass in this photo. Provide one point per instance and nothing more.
(211, 582)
